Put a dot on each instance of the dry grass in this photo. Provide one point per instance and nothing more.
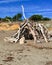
(6, 26)
(14, 26)
(50, 28)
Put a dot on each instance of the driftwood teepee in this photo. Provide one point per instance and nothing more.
(29, 31)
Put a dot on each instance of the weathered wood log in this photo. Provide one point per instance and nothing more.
(22, 40)
(43, 33)
(33, 33)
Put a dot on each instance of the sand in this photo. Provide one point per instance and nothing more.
(16, 54)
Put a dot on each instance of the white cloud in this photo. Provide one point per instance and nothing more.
(10, 9)
(46, 13)
(44, 10)
(8, 1)
(38, 9)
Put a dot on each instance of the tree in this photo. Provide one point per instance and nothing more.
(0, 19)
(17, 17)
(7, 19)
(46, 19)
(4, 20)
(36, 17)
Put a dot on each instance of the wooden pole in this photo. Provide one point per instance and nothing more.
(43, 33)
(33, 33)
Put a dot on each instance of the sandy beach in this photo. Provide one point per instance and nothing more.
(25, 32)
(16, 54)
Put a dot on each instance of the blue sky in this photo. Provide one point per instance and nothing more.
(12, 7)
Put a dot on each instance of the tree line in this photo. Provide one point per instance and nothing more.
(18, 17)
(39, 18)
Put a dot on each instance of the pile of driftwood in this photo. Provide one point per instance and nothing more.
(29, 30)
(32, 31)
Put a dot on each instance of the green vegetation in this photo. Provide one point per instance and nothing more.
(7, 19)
(46, 19)
(36, 17)
(18, 17)
(39, 18)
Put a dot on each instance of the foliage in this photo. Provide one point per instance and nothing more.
(6, 19)
(36, 17)
(46, 19)
(0, 19)
(17, 17)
